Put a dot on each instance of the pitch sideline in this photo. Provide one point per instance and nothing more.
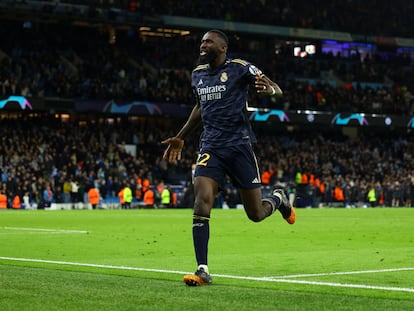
(281, 279)
(43, 230)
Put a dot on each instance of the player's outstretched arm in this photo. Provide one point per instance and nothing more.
(265, 85)
(175, 144)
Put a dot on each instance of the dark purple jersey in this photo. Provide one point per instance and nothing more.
(222, 94)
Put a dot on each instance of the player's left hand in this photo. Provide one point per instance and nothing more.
(174, 148)
(261, 84)
(264, 85)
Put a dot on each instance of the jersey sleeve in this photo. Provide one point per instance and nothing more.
(249, 70)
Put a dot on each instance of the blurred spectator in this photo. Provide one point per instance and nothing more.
(127, 193)
(166, 197)
(16, 204)
(149, 198)
(3, 200)
(121, 198)
(93, 196)
(47, 197)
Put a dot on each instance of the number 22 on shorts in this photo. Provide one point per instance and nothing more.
(202, 159)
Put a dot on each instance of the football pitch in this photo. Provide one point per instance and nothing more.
(331, 259)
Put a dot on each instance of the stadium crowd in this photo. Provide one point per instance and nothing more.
(65, 159)
(385, 18)
(347, 16)
(81, 64)
(39, 155)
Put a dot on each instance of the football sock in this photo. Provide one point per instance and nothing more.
(204, 267)
(274, 201)
(201, 235)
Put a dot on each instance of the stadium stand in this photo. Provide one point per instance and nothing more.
(385, 18)
(77, 61)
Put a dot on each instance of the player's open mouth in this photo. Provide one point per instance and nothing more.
(202, 53)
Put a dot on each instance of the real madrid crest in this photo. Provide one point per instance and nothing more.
(224, 77)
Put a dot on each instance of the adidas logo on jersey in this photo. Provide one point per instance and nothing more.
(256, 181)
(200, 82)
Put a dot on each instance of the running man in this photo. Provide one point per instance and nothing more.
(221, 89)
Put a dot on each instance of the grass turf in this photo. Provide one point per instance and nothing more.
(321, 242)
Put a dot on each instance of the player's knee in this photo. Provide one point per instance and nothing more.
(203, 205)
(255, 217)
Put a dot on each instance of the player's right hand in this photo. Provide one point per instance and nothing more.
(174, 148)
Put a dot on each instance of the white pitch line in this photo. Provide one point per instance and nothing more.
(44, 230)
(68, 263)
(341, 273)
(331, 284)
(250, 278)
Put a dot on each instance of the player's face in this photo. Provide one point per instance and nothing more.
(212, 45)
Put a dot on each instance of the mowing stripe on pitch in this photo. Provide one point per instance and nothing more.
(284, 279)
(42, 230)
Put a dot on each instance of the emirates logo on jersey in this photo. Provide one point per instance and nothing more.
(224, 77)
(210, 92)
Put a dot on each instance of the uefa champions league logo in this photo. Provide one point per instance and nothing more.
(411, 123)
(338, 119)
(265, 116)
(21, 100)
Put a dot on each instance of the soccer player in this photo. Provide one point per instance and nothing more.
(221, 89)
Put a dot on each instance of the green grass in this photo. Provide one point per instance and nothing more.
(99, 264)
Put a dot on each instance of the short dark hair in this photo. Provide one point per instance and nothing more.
(221, 34)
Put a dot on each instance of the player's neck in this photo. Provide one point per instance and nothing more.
(218, 61)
